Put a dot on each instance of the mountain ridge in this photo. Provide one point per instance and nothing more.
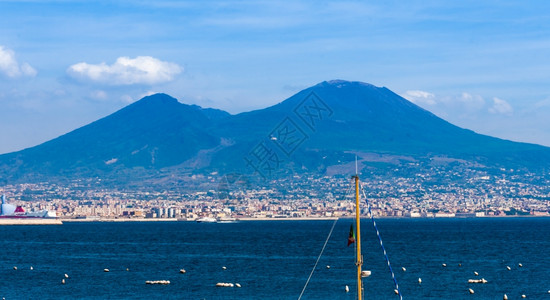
(327, 120)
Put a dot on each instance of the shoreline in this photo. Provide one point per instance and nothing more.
(58, 221)
(194, 220)
(127, 220)
(247, 219)
(30, 221)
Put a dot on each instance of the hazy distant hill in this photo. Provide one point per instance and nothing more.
(312, 131)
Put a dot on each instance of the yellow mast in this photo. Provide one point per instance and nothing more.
(359, 261)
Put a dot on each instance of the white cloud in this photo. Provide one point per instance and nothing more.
(501, 107)
(127, 71)
(420, 97)
(471, 102)
(450, 104)
(11, 68)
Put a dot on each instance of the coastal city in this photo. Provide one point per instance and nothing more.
(427, 194)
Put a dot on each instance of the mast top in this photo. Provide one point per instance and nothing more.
(356, 172)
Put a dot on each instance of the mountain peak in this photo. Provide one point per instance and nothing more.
(159, 105)
(344, 83)
(159, 98)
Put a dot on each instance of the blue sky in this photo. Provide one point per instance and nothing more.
(482, 65)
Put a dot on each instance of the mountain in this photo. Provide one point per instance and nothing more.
(315, 130)
(362, 118)
(155, 132)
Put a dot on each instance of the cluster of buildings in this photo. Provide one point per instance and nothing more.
(431, 193)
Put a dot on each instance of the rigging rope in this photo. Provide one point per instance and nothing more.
(382, 246)
(322, 250)
(318, 258)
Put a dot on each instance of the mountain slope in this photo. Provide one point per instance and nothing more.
(156, 131)
(311, 131)
(364, 118)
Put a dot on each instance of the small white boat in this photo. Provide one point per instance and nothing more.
(224, 284)
(227, 220)
(163, 282)
(482, 280)
(207, 220)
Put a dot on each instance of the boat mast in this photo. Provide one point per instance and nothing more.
(359, 261)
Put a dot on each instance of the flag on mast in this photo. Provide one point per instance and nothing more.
(351, 237)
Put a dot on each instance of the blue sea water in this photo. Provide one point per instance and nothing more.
(273, 259)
